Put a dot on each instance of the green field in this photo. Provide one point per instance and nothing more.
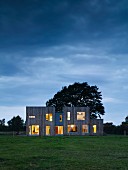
(64, 153)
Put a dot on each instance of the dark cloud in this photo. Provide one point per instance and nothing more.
(8, 65)
(34, 23)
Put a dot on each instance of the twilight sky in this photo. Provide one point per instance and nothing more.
(47, 44)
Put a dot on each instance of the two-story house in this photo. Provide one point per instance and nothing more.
(44, 121)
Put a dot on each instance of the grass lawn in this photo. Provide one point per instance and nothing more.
(64, 153)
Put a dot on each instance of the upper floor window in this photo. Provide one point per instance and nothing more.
(68, 115)
(60, 118)
(49, 116)
(32, 117)
(80, 115)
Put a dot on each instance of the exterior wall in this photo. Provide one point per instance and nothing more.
(57, 119)
(99, 126)
(33, 111)
(73, 119)
(48, 123)
(40, 119)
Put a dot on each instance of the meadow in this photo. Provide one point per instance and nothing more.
(64, 153)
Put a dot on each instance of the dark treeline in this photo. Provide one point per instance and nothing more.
(15, 124)
(110, 128)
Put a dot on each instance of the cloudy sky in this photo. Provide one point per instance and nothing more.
(47, 44)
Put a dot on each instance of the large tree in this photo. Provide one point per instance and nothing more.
(79, 94)
(2, 122)
(2, 125)
(16, 124)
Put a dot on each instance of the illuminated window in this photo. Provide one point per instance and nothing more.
(60, 118)
(85, 129)
(46, 116)
(80, 115)
(32, 117)
(34, 130)
(94, 128)
(49, 116)
(30, 130)
(68, 115)
(47, 130)
(72, 128)
(59, 130)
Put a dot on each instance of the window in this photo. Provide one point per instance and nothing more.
(59, 130)
(49, 116)
(32, 117)
(30, 130)
(60, 118)
(72, 128)
(47, 130)
(34, 130)
(46, 116)
(80, 115)
(94, 128)
(85, 129)
(68, 115)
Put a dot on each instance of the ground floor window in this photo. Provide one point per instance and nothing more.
(94, 128)
(34, 130)
(72, 128)
(59, 130)
(47, 130)
(85, 129)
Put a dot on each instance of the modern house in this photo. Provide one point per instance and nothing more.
(44, 121)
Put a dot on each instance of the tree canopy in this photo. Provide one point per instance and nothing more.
(2, 122)
(2, 125)
(16, 124)
(79, 95)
